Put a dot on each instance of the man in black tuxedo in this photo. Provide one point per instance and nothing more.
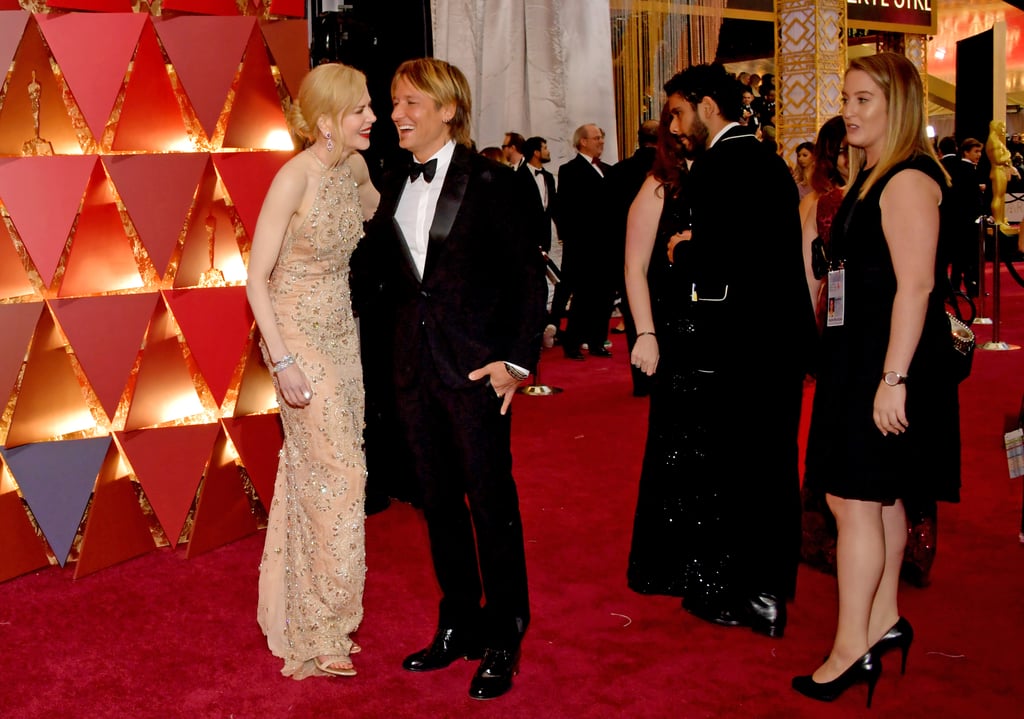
(753, 334)
(960, 214)
(466, 284)
(539, 190)
(590, 268)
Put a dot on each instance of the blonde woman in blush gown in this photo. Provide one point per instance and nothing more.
(314, 563)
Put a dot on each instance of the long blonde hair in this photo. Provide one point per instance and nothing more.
(906, 135)
(327, 91)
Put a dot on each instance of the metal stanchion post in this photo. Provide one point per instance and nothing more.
(536, 389)
(984, 222)
(995, 344)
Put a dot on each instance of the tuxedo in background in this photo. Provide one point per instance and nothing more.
(479, 299)
(591, 268)
(960, 222)
(539, 202)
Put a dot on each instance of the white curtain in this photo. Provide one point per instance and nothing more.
(536, 67)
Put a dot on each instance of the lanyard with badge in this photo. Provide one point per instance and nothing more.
(836, 313)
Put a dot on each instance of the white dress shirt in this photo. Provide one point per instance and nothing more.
(416, 207)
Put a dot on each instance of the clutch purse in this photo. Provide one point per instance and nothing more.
(963, 347)
(819, 258)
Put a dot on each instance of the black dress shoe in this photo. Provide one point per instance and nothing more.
(494, 675)
(448, 645)
(766, 614)
(574, 354)
(715, 614)
(600, 352)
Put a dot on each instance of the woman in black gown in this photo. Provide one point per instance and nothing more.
(671, 553)
(885, 425)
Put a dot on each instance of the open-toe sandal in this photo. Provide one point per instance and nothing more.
(326, 665)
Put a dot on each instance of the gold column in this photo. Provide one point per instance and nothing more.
(810, 57)
(915, 47)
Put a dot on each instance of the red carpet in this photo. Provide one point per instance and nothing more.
(162, 636)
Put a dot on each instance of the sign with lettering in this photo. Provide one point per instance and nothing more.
(913, 16)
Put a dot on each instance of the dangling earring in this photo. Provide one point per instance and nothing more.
(330, 142)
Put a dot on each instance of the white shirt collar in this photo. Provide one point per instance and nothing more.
(721, 132)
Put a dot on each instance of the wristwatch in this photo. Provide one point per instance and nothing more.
(894, 378)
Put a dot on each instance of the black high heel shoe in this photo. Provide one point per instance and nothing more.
(866, 669)
(900, 635)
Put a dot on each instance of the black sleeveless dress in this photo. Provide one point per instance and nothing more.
(847, 455)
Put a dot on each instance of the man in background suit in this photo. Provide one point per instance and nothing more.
(540, 189)
(466, 283)
(513, 148)
(590, 270)
(748, 383)
(960, 215)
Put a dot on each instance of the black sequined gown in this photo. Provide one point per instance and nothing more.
(678, 547)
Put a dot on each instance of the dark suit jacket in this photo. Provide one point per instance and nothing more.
(962, 204)
(582, 217)
(537, 217)
(481, 297)
(766, 309)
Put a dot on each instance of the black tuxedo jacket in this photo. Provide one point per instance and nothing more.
(749, 279)
(538, 217)
(584, 211)
(481, 296)
(962, 204)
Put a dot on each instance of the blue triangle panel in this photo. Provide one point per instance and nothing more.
(56, 480)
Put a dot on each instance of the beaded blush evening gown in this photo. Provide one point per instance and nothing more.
(314, 561)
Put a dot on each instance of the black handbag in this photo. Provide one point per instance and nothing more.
(962, 343)
(819, 258)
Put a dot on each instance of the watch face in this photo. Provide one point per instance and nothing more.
(892, 378)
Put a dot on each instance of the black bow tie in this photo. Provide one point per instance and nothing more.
(429, 169)
(538, 172)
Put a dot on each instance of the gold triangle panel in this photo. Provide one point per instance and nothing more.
(215, 322)
(34, 119)
(23, 550)
(210, 255)
(247, 177)
(151, 118)
(102, 257)
(256, 392)
(257, 118)
(169, 462)
(116, 529)
(223, 513)
(19, 322)
(42, 196)
(157, 192)
(164, 391)
(106, 334)
(289, 48)
(206, 53)
(93, 51)
(51, 403)
(14, 279)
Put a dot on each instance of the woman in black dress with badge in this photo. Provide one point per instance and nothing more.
(885, 425)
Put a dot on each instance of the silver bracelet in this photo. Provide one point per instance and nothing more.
(282, 364)
(641, 334)
(515, 373)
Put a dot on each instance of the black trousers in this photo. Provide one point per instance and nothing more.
(463, 461)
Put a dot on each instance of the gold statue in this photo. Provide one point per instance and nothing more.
(211, 277)
(37, 145)
(1002, 168)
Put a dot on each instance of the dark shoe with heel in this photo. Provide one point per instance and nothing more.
(447, 646)
(867, 669)
(766, 614)
(494, 675)
(900, 636)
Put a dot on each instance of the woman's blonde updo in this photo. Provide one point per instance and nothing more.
(328, 91)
